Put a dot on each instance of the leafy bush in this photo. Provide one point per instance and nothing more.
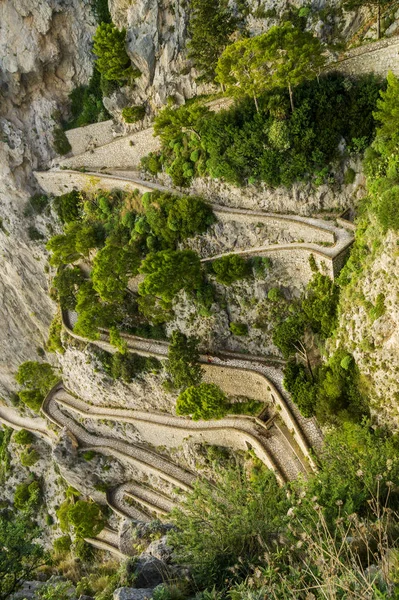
(112, 60)
(229, 269)
(132, 114)
(68, 206)
(35, 375)
(36, 205)
(34, 234)
(60, 141)
(320, 304)
(27, 496)
(29, 457)
(204, 401)
(32, 398)
(87, 102)
(183, 361)
(229, 142)
(222, 529)
(239, 328)
(54, 342)
(86, 518)
(63, 544)
(23, 437)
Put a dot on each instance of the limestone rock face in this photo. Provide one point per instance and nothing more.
(45, 53)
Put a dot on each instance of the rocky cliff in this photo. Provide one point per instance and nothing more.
(45, 53)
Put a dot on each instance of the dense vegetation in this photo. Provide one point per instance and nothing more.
(122, 235)
(275, 145)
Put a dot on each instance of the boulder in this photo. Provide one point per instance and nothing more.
(149, 571)
(126, 593)
(160, 549)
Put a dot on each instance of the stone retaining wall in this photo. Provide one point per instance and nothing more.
(377, 57)
(124, 152)
(83, 139)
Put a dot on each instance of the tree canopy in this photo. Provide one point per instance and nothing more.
(284, 56)
(112, 60)
(203, 402)
(183, 361)
(21, 555)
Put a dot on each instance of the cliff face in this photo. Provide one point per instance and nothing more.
(45, 53)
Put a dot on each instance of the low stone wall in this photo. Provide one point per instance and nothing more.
(124, 152)
(60, 182)
(377, 57)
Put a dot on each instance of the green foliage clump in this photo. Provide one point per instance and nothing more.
(284, 56)
(36, 205)
(210, 27)
(54, 342)
(112, 59)
(27, 496)
(320, 304)
(128, 366)
(203, 402)
(67, 282)
(68, 206)
(239, 328)
(169, 271)
(36, 379)
(5, 458)
(35, 375)
(86, 518)
(29, 457)
(231, 268)
(62, 545)
(60, 141)
(183, 361)
(132, 114)
(276, 145)
(22, 555)
(87, 102)
(222, 529)
(23, 437)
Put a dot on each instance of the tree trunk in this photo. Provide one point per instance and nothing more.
(291, 97)
(256, 103)
(379, 22)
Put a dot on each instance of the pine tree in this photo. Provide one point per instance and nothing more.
(112, 59)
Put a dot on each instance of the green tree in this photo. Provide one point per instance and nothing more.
(68, 206)
(93, 313)
(27, 496)
(169, 271)
(377, 4)
(386, 207)
(21, 556)
(284, 56)
(113, 266)
(210, 27)
(303, 390)
(231, 268)
(86, 518)
(387, 113)
(183, 361)
(203, 402)
(29, 457)
(67, 282)
(112, 60)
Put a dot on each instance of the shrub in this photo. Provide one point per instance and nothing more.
(227, 525)
(152, 163)
(229, 269)
(86, 518)
(274, 294)
(132, 114)
(23, 437)
(239, 328)
(89, 455)
(183, 361)
(68, 206)
(37, 376)
(387, 208)
(112, 60)
(29, 457)
(36, 204)
(205, 401)
(84, 551)
(27, 495)
(63, 544)
(54, 342)
(60, 141)
(34, 234)
(32, 398)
